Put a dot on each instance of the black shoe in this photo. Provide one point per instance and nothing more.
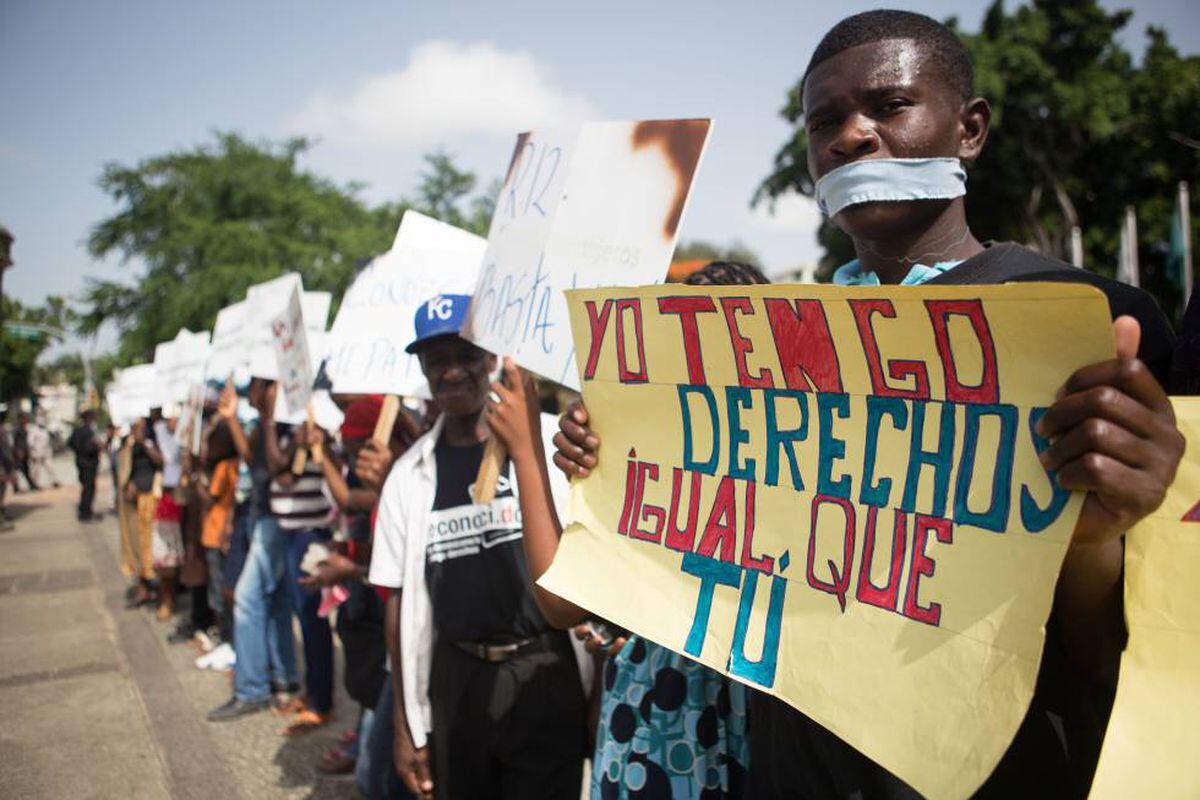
(235, 708)
(284, 696)
(182, 633)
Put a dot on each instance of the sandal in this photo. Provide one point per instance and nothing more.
(305, 721)
(335, 762)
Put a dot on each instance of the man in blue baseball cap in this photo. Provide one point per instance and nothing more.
(488, 697)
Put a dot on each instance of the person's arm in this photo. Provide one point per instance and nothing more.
(227, 410)
(1113, 436)
(373, 464)
(575, 445)
(148, 446)
(350, 500)
(412, 764)
(516, 420)
(279, 459)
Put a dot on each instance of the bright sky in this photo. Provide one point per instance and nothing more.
(381, 83)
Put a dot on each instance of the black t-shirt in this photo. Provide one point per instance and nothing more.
(143, 469)
(86, 445)
(260, 471)
(475, 567)
(1055, 750)
(1186, 371)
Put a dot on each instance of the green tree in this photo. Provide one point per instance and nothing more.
(697, 249)
(206, 223)
(443, 191)
(1079, 131)
(21, 346)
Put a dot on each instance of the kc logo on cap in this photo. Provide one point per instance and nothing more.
(440, 307)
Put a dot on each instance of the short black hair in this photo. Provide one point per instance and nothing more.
(939, 42)
(726, 273)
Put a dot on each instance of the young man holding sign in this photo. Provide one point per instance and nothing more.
(488, 701)
(891, 120)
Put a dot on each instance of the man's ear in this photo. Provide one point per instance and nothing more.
(973, 127)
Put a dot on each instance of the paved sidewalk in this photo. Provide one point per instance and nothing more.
(96, 704)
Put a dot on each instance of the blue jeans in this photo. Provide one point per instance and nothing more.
(382, 781)
(318, 638)
(359, 752)
(262, 615)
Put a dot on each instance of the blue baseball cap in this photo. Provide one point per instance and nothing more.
(439, 316)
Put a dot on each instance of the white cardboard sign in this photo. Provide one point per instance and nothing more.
(600, 208)
(191, 355)
(165, 358)
(292, 357)
(227, 356)
(136, 391)
(375, 321)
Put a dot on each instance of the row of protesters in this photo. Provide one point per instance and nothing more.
(891, 117)
(265, 670)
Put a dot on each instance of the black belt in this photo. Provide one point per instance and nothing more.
(499, 653)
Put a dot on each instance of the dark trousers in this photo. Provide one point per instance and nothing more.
(318, 636)
(514, 729)
(23, 465)
(216, 598)
(382, 781)
(87, 489)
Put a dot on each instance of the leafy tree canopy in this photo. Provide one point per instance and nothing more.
(208, 222)
(20, 347)
(1079, 131)
(697, 249)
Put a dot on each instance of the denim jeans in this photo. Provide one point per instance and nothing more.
(383, 783)
(262, 615)
(359, 752)
(318, 637)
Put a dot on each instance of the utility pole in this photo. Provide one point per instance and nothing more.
(6, 240)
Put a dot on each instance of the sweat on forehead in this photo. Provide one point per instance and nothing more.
(935, 43)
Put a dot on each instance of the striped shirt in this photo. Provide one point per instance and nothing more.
(303, 504)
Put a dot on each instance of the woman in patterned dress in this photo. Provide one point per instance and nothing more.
(669, 727)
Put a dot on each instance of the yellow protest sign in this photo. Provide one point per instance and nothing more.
(1151, 743)
(833, 494)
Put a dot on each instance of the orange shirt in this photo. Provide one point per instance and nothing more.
(221, 487)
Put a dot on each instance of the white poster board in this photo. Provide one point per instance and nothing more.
(292, 358)
(264, 302)
(601, 208)
(136, 390)
(227, 356)
(165, 359)
(375, 321)
(187, 374)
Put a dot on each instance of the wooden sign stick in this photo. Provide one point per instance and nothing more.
(301, 457)
(494, 453)
(387, 419)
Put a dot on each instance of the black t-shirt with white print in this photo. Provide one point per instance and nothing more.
(1054, 752)
(475, 567)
